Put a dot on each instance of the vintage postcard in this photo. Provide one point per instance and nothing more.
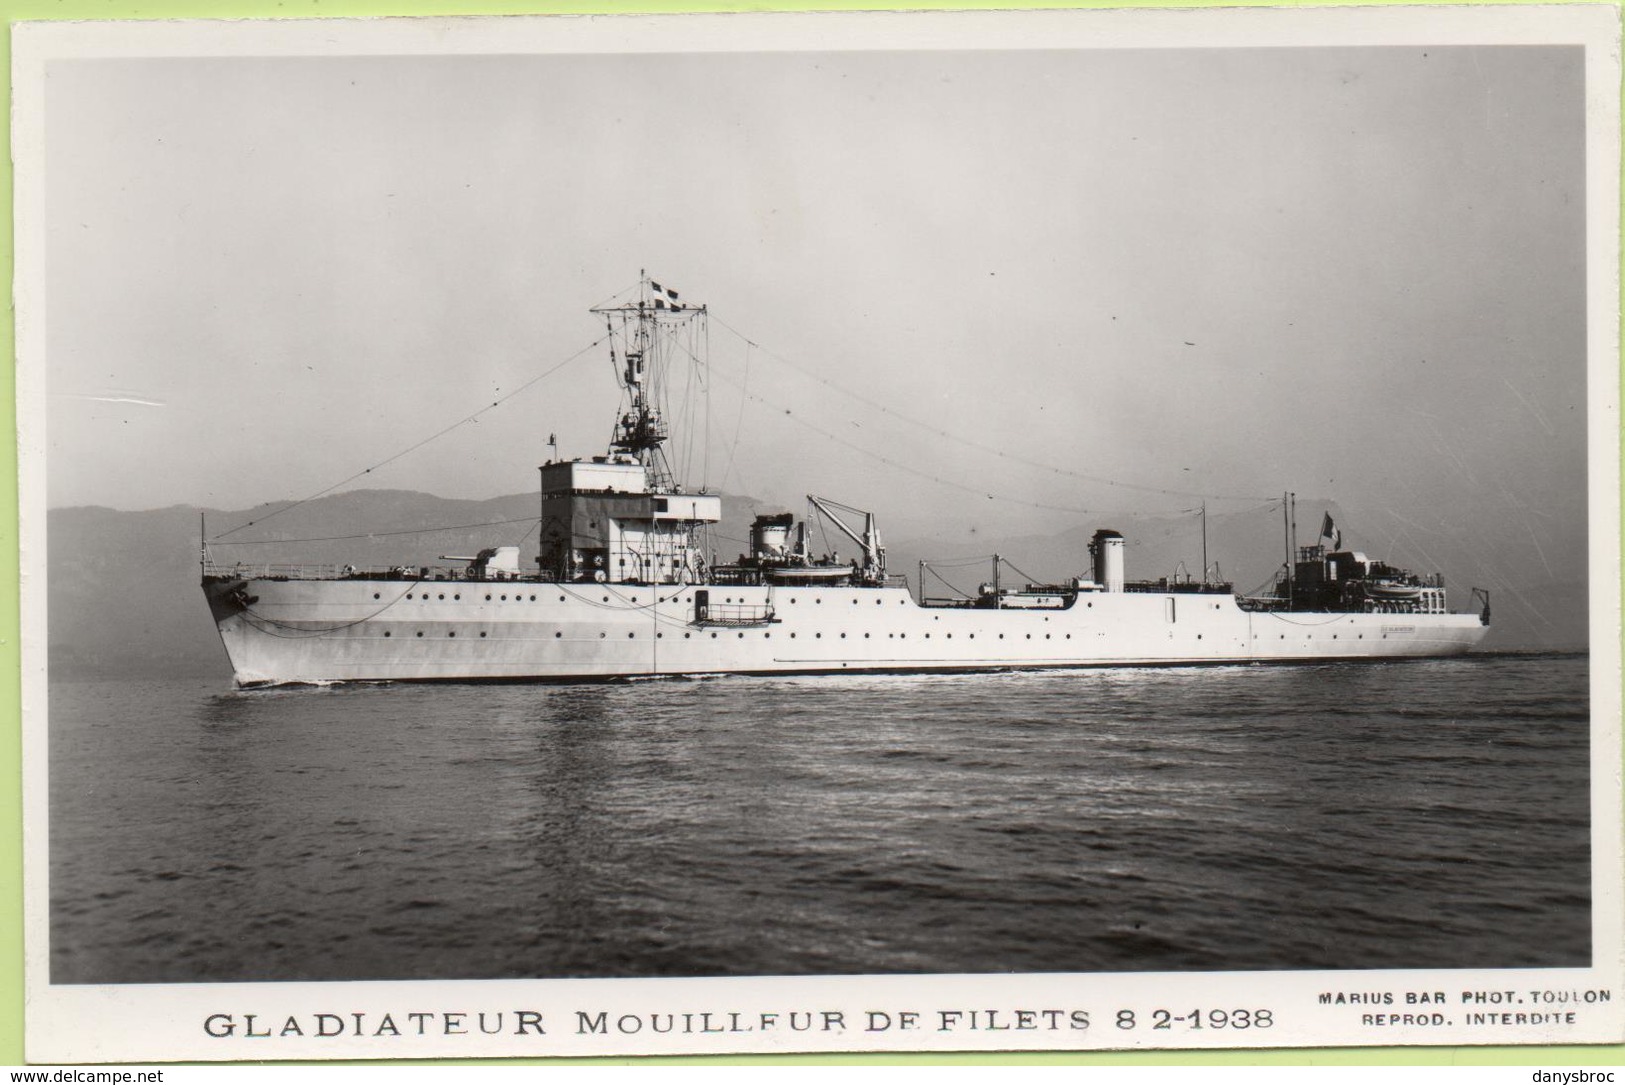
(981, 531)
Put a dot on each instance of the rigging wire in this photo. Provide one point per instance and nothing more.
(705, 386)
(406, 451)
(703, 369)
(1271, 582)
(960, 563)
(387, 534)
(615, 297)
(739, 420)
(945, 583)
(689, 409)
(1031, 579)
(979, 446)
(535, 528)
(902, 466)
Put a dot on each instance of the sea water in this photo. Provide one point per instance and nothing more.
(1427, 814)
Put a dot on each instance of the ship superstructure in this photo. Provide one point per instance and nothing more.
(626, 584)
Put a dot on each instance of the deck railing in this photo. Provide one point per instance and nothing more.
(734, 614)
(277, 571)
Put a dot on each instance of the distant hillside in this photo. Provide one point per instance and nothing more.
(123, 591)
(124, 598)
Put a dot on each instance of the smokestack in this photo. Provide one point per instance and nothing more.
(1107, 550)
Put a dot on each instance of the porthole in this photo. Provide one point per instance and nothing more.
(1046, 637)
(533, 599)
(792, 602)
(902, 636)
(1198, 636)
(375, 595)
(409, 595)
(451, 634)
(387, 633)
(1029, 636)
(606, 598)
(713, 636)
(601, 636)
(866, 636)
(792, 636)
(741, 636)
(686, 635)
(561, 598)
(420, 632)
(442, 595)
(504, 597)
(558, 635)
(629, 636)
(660, 636)
(488, 598)
(482, 634)
(459, 595)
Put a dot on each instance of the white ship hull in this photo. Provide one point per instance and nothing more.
(285, 631)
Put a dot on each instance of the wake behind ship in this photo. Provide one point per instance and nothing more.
(625, 585)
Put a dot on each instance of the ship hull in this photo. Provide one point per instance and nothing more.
(279, 631)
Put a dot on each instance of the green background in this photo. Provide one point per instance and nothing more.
(11, 861)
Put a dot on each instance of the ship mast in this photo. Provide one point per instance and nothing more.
(639, 337)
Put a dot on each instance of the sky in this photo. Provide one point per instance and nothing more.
(978, 282)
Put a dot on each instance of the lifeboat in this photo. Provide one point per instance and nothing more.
(806, 574)
(1392, 591)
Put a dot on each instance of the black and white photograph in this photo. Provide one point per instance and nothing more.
(779, 533)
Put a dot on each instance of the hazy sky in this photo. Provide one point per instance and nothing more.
(1349, 272)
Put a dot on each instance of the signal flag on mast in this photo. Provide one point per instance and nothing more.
(669, 301)
(1330, 534)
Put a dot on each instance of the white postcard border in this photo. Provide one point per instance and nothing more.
(952, 1013)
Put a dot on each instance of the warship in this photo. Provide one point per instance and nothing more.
(626, 584)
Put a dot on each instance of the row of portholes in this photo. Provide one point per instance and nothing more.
(900, 636)
(518, 597)
(450, 635)
(793, 600)
(456, 596)
(1311, 636)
